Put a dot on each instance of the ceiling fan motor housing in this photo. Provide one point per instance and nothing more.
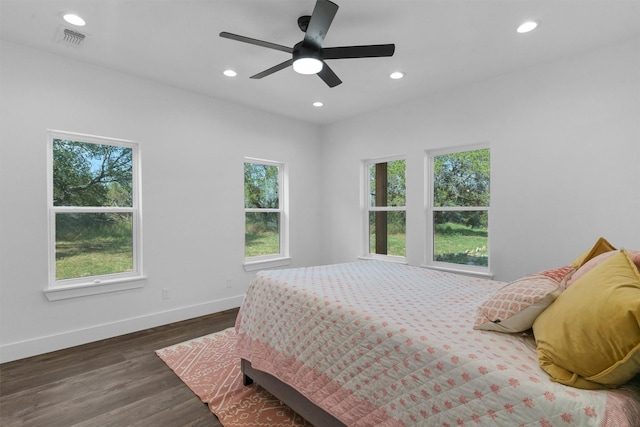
(307, 59)
(302, 50)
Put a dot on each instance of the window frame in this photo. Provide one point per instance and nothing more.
(367, 209)
(97, 284)
(429, 262)
(283, 257)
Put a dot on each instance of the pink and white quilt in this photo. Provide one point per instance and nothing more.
(385, 344)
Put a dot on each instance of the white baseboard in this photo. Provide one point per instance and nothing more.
(46, 344)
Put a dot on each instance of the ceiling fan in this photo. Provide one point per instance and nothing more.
(308, 56)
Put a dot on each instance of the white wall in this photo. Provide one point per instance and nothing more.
(192, 154)
(565, 159)
(565, 144)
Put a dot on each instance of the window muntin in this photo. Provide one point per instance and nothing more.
(458, 208)
(94, 210)
(265, 213)
(385, 208)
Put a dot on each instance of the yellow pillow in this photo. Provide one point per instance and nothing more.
(589, 337)
(600, 247)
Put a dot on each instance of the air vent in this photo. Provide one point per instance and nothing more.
(69, 37)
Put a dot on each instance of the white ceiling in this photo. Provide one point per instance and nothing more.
(439, 44)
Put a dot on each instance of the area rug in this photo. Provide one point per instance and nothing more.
(209, 367)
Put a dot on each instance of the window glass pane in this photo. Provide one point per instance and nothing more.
(461, 237)
(387, 233)
(387, 183)
(91, 244)
(261, 186)
(86, 174)
(262, 233)
(461, 179)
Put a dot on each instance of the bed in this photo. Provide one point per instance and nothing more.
(374, 343)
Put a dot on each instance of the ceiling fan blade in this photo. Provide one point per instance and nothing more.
(256, 42)
(328, 76)
(273, 69)
(321, 18)
(368, 51)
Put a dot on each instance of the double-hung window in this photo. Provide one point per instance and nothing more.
(458, 209)
(94, 215)
(266, 214)
(385, 208)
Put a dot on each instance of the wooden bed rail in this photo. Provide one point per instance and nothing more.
(288, 395)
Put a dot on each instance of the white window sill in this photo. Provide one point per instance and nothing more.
(485, 274)
(94, 288)
(266, 263)
(386, 258)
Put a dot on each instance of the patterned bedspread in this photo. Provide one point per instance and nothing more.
(384, 344)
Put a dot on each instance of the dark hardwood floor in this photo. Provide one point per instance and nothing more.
(114, 382)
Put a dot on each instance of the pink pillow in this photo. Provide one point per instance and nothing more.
(635, 257)
(514, 307)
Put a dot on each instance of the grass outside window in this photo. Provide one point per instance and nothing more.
(93, 244)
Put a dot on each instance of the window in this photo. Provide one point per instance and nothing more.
(385, 208)
(94, 213)
(458, 209)
(266, 222)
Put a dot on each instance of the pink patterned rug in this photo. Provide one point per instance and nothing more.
(209, 367)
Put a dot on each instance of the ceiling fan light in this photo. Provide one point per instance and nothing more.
(307, 65)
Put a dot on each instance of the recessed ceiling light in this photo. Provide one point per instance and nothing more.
(73, 19)
(527, 26)
(229, 73)
(317, 104)
(396, 75)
